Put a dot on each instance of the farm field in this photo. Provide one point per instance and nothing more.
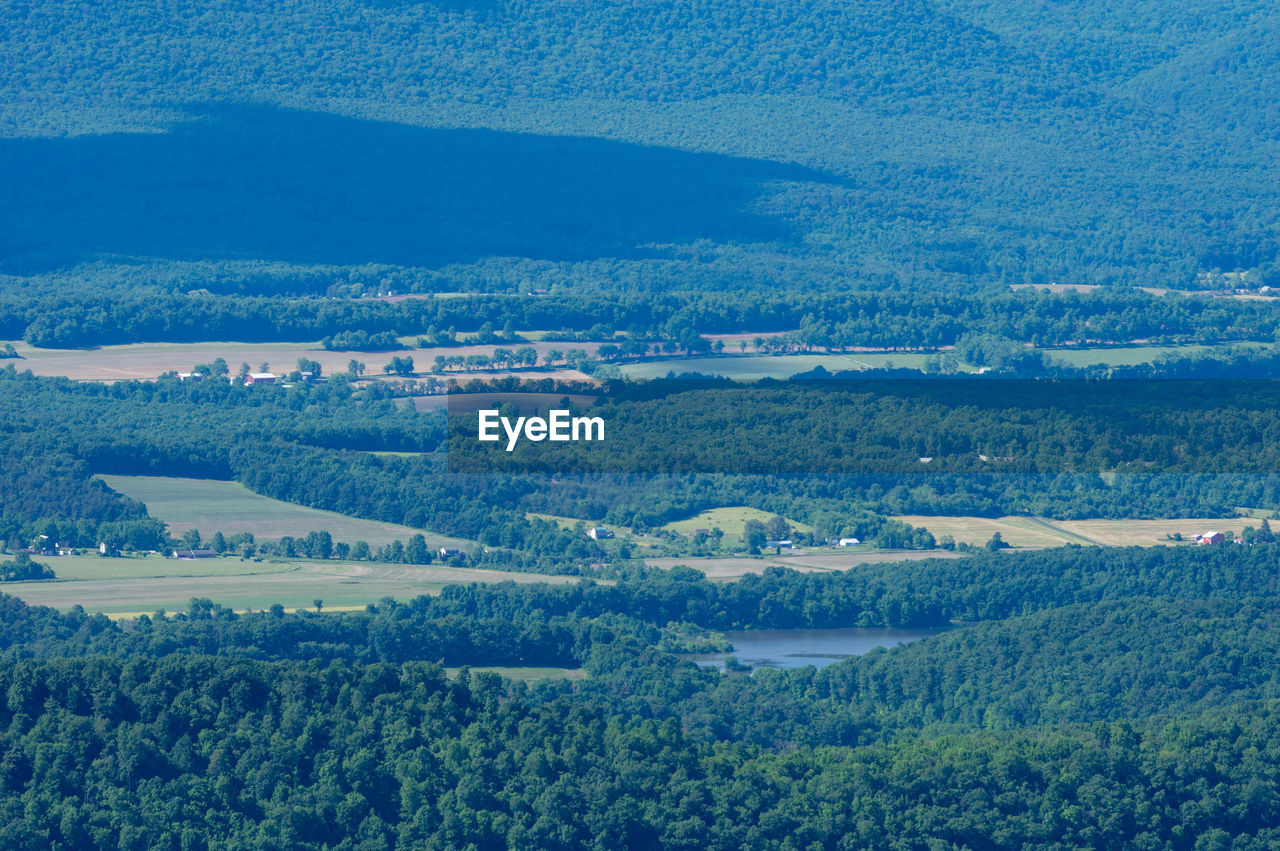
(1129, 355)
(231, 508)
(1016, 531)
(94, 567)
(1143, 533)
(731, 520)
(1038, 532)
(142, 585)
(751, 367)
(148, 360)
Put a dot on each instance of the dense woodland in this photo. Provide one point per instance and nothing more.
(1103, 699)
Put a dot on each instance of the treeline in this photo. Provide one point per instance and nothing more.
(829, 321)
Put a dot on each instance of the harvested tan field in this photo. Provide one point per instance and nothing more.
(149, 360)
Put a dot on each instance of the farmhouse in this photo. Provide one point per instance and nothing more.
(449, 552)
(192, 555)
(849, 542)
(255, 378)
(597, 534)
(1210, 538)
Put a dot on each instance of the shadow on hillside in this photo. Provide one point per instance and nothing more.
(258, 182)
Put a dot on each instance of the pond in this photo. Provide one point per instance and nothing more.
(795, 648)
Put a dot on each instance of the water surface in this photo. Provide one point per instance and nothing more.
(794, 648)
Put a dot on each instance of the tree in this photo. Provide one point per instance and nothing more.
(318, 544)
(754, 535)
(417, 551)
(778, 528)
(318, 603)
(997, 542)
(23, 567)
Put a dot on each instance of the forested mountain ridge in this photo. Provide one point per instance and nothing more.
(872, 51)
(941, 145)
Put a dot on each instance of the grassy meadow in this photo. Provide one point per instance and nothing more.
(1129, 355)
(732, 520)
(231, 508)
(135, 585)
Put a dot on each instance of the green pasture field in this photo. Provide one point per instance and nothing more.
(231, 508)
(141, 585)
(1130, 355)
(732, 520)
